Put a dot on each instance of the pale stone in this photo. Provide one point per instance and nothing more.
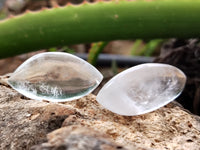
(55, 76)
(77, 137)
(142, 89)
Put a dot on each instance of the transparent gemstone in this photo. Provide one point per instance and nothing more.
(142, 89)
(55, 76)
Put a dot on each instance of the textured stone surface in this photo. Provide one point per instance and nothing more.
(77, 137)
(25, 123)
(170, 127)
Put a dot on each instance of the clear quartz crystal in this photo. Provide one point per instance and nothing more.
(55, 76)
(142, 89)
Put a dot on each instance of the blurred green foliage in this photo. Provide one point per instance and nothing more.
(146, 48)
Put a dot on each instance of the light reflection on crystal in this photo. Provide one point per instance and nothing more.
(55, 76)
(142, 89)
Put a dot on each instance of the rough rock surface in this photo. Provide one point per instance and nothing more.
(77, 137)
(25, 123)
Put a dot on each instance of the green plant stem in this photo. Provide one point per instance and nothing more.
(137, 46)
(101, 21)
(95, 50)
(151, 47)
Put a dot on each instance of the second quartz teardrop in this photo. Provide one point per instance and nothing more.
(55, 76)
(142, 89)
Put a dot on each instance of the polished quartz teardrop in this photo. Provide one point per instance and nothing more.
(55, 76)
(142, 89)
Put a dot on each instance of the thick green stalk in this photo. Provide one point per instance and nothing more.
(101, 21)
